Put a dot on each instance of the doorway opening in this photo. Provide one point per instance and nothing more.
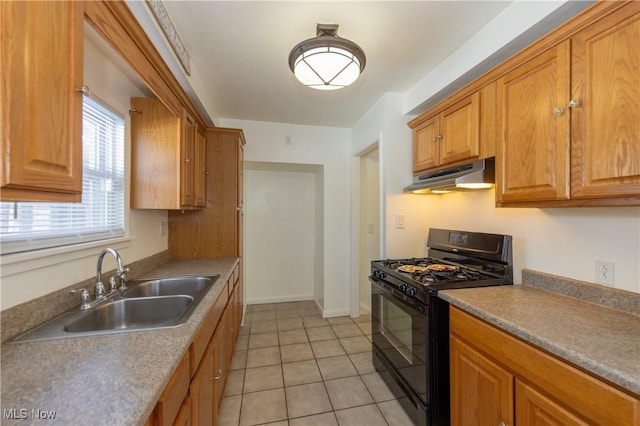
(283, 232)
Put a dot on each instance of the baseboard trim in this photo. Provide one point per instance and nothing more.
(278, 299)
(335, 313)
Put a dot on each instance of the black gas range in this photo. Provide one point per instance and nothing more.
(410, 324)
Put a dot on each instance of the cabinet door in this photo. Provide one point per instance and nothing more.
(40, 101)
(481, 391)
(605, 143)
(533, 129)
(155, 155)
(201, 391)
(240, 208)
(184, 415)
(535, 409)
(460, 129)
(172, 399)
(187, 166)
(220, 362)
(425, 145)
(200, 170)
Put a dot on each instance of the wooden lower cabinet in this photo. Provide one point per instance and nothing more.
(194, 392)
(498, 379)
(535, 409)
(221, 362)
(481, 390)
(184, 415)
(201, 390)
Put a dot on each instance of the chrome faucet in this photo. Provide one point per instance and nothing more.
(100, 292)
(120, 271)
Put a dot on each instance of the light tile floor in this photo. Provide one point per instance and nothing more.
(293, 367)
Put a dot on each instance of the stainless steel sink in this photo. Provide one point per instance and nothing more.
(147, 304)
(133, 314)
(189, 285)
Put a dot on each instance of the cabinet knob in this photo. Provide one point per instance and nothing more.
(574, 103)
(186, 160)
(218, 375)
(85, 90)
(558, 111)
(502, 424)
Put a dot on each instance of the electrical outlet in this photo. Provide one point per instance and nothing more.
(605, 273)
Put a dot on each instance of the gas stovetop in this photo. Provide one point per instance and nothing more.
(455, 259)
(430, 270)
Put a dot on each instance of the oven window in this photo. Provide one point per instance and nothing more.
(396, 327)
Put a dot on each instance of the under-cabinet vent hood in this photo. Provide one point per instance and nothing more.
(477, 175)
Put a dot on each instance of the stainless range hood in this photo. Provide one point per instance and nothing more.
(477, 175)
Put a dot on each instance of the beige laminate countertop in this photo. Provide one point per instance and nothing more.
(111, 379)
(603, 341)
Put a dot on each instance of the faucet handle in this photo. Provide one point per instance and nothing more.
(84, 297)
(122, 274)
(112, 285)
(100, 291)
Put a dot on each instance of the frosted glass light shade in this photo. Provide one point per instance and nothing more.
(327, 62)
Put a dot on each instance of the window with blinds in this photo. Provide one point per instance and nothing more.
(30, 226)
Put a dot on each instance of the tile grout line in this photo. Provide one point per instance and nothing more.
(362, 333)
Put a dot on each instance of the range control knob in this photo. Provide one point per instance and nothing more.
(411, 292)
(379, 274)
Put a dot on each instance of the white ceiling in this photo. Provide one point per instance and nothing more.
(240, 51)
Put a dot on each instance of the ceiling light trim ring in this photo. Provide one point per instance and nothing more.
(326, 41)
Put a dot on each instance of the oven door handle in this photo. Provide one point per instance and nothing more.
(399, 296)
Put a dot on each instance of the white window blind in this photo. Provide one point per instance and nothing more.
(26, 226)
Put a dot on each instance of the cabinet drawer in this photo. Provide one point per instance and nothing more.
(174, 394)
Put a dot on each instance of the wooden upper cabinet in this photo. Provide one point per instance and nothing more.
(452, 136)
(460, 131)
(533, 129)
(200, 169)
(426, 152)
(41, 45)
(605, 145)
(188, 161)
(216, 230)
(163, 157)
(569, 119)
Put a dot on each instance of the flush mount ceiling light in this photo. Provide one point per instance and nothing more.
(327, 62)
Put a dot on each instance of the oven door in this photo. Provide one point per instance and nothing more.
(399, 332)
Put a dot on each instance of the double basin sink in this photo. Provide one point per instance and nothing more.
(146, 304)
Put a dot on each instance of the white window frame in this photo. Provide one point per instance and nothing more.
(23, 255)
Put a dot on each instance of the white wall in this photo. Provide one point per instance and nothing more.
(560, 241)
(26, 277)
(326, 147)
(369, 227)
(279, 222)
